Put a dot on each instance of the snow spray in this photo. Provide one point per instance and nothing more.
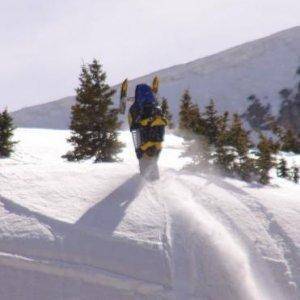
(207, 262)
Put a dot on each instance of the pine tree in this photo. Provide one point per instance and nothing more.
(6, 134)
(295, 174)
(166, 112)
(200, 124)
(197, 121)
(258, 115)
(224, 156)
(184, 111)
(290, 142)
(282, 169)
(238, 138)
(265, 160)
(188, 115)
(289, 112)
(212, 123)
(94, 122)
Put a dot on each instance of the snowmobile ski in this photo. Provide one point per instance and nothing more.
(155, 85)
(123, 96)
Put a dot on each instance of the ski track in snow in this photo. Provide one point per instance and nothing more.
(185, 236)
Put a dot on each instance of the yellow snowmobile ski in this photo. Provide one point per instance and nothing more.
(155, 85)
(123, 95)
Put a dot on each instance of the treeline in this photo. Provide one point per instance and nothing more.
(220, 141)
(286, 126)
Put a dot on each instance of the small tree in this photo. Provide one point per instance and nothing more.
(224, 156)
(188, 115)
(212, 123)
(166, 112)
(238, 138)
(185, 110)
(289, 112)
(94, 122)
(285, 93)
(258, 115)
(295, 174)
(191, 123)
(265, 160)
(282, 169)
(290, 142)
(6, 134)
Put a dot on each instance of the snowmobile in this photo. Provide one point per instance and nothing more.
(147, 125)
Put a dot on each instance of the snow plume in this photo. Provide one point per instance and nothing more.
(207, 262)
(198, 154)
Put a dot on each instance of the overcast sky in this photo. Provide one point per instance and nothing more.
(43, 42)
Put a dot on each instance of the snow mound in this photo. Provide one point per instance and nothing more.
(90, 231)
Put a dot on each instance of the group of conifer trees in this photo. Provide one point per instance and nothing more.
(260, 118)
(220, 142)
(286, 126)
(289, 173)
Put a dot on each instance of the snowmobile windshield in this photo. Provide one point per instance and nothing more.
(144, 95)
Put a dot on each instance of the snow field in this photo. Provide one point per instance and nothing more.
(90, 231)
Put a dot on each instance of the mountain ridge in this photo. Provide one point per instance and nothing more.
(262, 67)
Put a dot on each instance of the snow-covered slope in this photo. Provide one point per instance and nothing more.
(262, 67)
(54, 114)
(98, 231)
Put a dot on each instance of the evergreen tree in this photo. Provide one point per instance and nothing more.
(224, 156)
(94, 122)
(265, 160)
(191, 123)
(289, 113)
(258, 115)
(290, 142)
(285, 93)
(166, 112)
(282, 169)
(295, 174)
(188, 115)
(184, 111)
(238, 138)
(6, 134)
(212, 123)
(200, 125)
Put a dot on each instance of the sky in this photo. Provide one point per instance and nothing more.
(43, 43)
